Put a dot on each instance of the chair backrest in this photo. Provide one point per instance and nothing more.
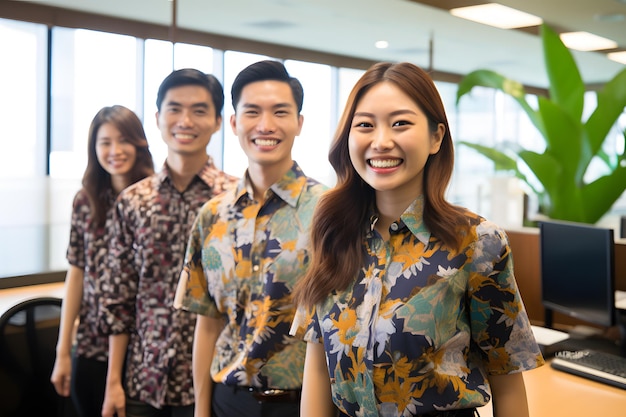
(28, 337)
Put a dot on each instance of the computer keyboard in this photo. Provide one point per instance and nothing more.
(592, 364)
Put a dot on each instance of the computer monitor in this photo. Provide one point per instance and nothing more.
(578, 272)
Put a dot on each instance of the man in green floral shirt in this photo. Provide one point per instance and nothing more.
(247, 249)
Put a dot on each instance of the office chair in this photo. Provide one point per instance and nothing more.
(28, 337)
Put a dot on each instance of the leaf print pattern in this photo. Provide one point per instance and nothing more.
(422, 326)
(243, 260)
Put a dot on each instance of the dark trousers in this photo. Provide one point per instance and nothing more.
(230, 401)
(468, 412)
(135, 408)
(87, 386)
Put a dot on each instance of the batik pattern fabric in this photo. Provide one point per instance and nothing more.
(422, 326)
(87, 250)
(242, 262)
(153, 221)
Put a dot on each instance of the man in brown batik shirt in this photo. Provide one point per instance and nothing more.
(150, 369)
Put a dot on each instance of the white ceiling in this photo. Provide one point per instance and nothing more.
(351, 27)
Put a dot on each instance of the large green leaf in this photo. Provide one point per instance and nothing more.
(547, 169)
(567, 89)
(600, 195)
(611, 103)
(563, 138)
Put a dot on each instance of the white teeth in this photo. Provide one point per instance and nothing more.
(384, 163)
(183, 136)
(266, 142)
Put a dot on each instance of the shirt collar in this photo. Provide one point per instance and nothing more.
(288, 188)
(412, 218)
(206, 173)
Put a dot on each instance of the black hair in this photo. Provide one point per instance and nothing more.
(190, 76)
(262, 71)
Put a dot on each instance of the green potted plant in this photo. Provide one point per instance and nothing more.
(571, 143)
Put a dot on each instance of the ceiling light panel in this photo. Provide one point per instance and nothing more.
(497, 15)
(584, 41)
(617, 57)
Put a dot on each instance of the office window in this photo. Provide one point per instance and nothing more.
(158, 62)
(90, 70)
(347, 79)
(23, 183)
(23, 104)
(310, 149)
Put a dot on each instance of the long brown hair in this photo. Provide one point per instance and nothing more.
(341, 217)
(96, 180)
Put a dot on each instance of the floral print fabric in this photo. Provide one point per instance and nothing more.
(242, 262)
(87, 250)
(422, 325)
(146, 256)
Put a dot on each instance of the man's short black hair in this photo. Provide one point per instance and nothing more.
(190, 76)
(263, 71)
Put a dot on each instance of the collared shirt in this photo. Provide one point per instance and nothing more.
(146, 257)
(87, 250)
(242, 262)
(423, 325)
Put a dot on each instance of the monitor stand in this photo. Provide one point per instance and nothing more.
(582, 337)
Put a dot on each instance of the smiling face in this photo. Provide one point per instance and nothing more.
(187, 119)
(114, 152)
(266, 122)
(390, 141)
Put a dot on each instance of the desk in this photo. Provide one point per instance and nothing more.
(12, 296)
(553, 393)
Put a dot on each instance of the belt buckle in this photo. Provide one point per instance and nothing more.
(272, 392)
(270, 395)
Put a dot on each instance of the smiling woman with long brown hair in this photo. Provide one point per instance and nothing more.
(410, 306)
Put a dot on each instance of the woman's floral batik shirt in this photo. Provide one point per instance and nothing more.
(422, 325)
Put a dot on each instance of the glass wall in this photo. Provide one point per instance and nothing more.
(23, 148)
(89, 70)
(23, 107)
(311, 147)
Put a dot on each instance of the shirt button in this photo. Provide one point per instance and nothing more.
(255, 268)
(394, 227)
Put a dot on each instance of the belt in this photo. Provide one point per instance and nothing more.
(273, 395)
(466, 412)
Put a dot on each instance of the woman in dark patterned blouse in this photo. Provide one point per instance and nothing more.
(118, 156)
(410, 306)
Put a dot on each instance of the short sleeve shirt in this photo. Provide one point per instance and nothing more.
(87, 250)
(146, 256)
(423, 325)
(242, 262)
